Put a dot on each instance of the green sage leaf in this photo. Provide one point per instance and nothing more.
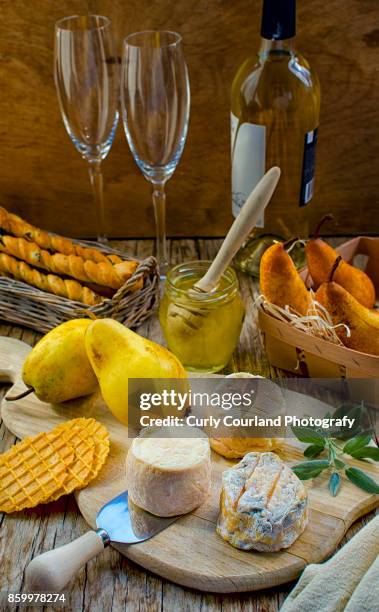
(310, 469)
(309, 436)
(339, 464)
(313, 451)
(306, 475)
(344, 409)
(346, 433)
(360, 440)
(315, 465)
(362, 480)
(368, 452)
(334, 483)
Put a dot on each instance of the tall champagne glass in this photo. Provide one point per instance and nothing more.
(87, 82)
(155, 99)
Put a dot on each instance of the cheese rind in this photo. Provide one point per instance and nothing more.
(169, 476)
(263, 504)
(235, 448)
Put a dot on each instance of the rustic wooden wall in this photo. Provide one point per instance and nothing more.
(43, 177)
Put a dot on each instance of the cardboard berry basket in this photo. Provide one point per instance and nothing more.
(293, 351)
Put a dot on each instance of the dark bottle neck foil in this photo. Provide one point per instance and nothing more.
(278, 19)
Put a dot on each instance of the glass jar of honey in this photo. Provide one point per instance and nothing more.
(201, 329)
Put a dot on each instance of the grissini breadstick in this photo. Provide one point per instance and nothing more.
(13, 224)
(48, 282)
(101, 273)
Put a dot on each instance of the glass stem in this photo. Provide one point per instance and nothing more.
(96, 179)
(159, 202)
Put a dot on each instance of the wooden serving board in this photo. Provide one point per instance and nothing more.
(190, 552)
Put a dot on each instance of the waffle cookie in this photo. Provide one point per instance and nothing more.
(44, 467)
(33, 471)
(78, 472)
(80, 432)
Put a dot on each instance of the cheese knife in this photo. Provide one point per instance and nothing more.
(120, 520)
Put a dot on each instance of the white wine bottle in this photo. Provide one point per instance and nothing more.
(274, 121)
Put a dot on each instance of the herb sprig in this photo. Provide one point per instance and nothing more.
(335, 443)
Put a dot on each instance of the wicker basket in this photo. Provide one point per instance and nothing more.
(20, 303)
(291, 351)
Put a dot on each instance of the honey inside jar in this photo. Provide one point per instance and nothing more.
(203, 329)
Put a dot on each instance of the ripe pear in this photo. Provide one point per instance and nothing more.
(320, 259)
(344, 308)
(280, 282)
(116, 354)
(58, 368)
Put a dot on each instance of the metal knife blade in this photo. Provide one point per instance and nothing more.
(126, 523)
(118, 521)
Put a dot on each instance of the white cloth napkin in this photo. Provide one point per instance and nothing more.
(348, 582)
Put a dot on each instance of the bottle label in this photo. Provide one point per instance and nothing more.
(309, 165)
(248, 143)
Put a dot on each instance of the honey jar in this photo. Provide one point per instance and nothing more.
(201, 329)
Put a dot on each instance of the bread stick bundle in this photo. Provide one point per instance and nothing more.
(12, 224)
(67, 288)
(58, 265)
(87, 271)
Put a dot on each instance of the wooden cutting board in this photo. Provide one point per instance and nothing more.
(190, 552)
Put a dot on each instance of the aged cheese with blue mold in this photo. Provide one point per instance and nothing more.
(263, 504)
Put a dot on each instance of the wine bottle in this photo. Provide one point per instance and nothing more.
(275, 110)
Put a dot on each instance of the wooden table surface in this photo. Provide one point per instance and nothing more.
(111, 582)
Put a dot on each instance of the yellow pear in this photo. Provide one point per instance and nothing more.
(342, 307)
(320, 259)
(280, 282)
(58, 368)
(116, 354)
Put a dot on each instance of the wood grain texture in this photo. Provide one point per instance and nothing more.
(190, 552)
(44, 178)
(112, 582)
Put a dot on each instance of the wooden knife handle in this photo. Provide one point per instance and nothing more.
(51, 571)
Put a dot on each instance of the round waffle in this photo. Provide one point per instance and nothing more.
(78, 472)
(44, 467)
(83, 432)
(33, 471)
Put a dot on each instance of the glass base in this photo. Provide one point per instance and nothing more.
(249, 256)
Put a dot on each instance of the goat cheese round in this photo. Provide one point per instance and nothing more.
(168, 476)
(263, 504)
(236, 447)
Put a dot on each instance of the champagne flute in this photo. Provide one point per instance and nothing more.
(87, 81)
(155, 100)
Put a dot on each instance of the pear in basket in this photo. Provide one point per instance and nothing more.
(320, 259)
(57, 369)
(362, 322)
(280, 282)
